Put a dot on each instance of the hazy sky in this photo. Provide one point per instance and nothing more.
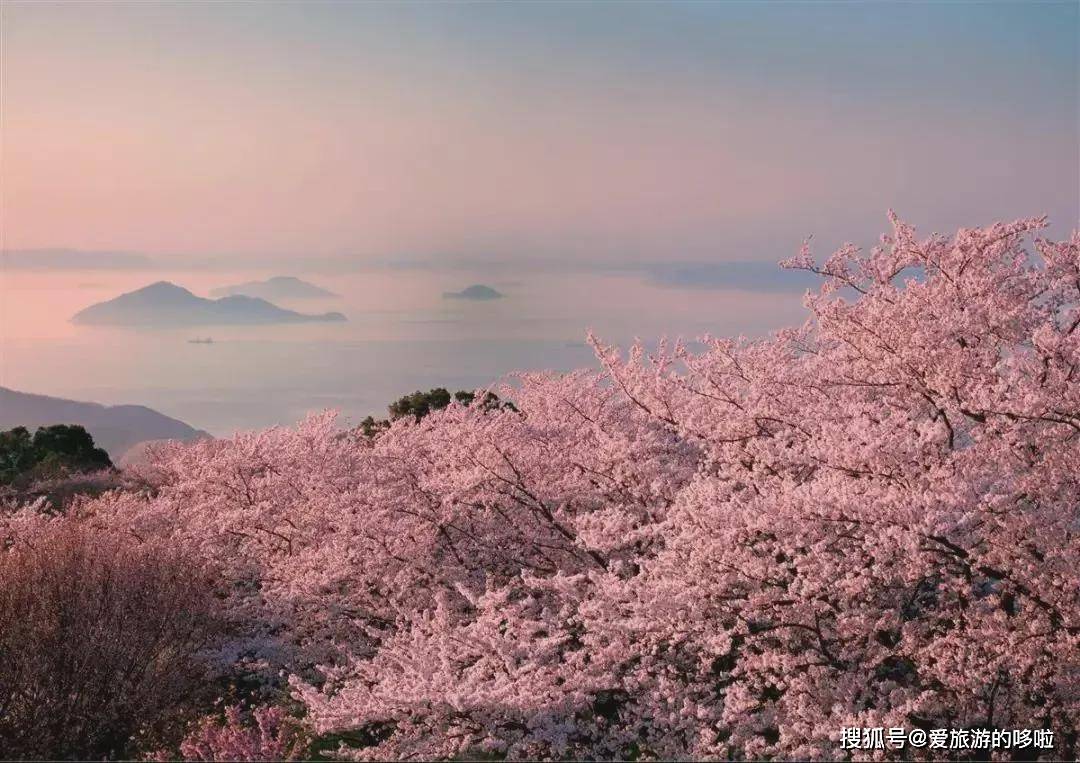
(550, 132)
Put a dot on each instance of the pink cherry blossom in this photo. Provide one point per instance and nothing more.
(727, 548)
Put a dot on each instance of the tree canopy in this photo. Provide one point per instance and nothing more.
(420, 404)
(50, 451)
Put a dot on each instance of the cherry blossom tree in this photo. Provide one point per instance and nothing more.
(105, 641)
(885, 523)
(265, 733)
(731, 548)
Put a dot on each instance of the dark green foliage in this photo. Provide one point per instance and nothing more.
(16, 454)
(420, 404)
(50, 452)
(371, 426)
(70, 446)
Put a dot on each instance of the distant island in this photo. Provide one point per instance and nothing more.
(164, 304)
(477, 292)
(119, 429)
(278, 287)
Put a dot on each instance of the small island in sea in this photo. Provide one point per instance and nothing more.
(477, 292)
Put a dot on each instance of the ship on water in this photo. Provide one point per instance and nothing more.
(201, 340)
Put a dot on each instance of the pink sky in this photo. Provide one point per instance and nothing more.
(345, 129)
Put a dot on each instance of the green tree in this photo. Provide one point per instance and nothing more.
(16, 454)
(53, 450)
(420, 404)
(71, 447)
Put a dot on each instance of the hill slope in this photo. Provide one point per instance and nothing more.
(115, 428)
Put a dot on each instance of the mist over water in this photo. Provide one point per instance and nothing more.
(401, 335)
(642, 146)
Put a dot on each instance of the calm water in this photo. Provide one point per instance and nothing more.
(401, 336)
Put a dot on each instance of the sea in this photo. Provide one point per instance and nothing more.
(402, 335)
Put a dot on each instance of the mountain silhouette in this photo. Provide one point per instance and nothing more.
(278, 287)
(166, 304)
